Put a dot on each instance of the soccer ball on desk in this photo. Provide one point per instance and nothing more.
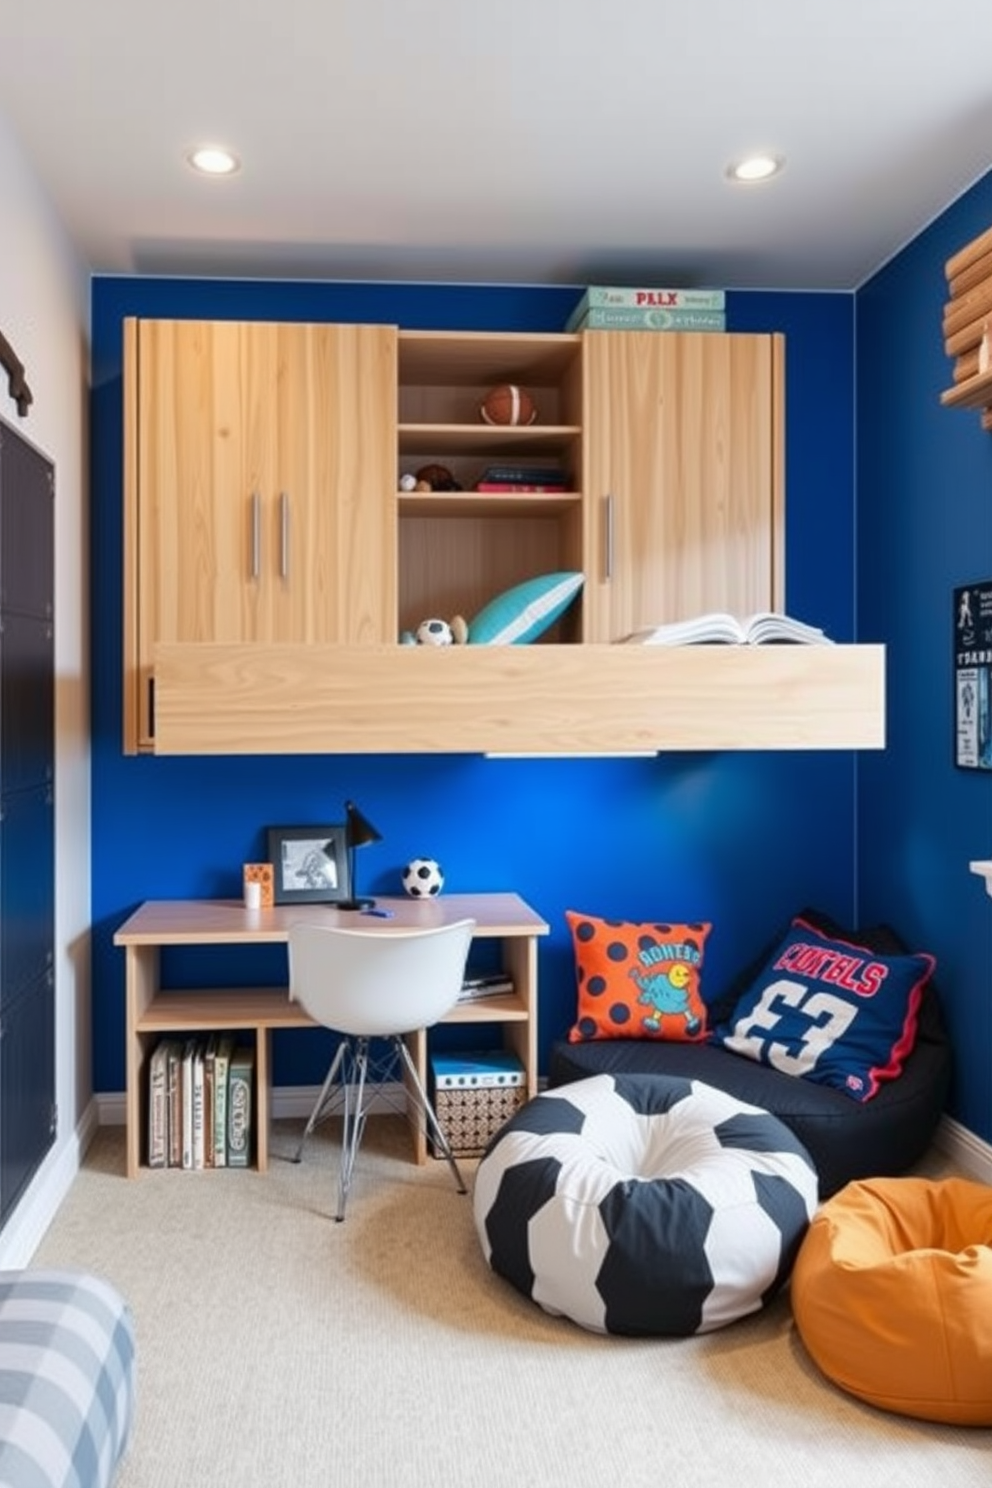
(422, 878)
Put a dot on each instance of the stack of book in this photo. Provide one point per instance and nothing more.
(487, 984)
(529, 478)
(200, 1103)
(609, 308)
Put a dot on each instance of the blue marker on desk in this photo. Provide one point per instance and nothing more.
(382, 914)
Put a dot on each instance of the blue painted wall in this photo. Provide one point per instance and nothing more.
(742, 840)
(924, 526)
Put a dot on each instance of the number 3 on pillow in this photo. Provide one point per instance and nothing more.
(836, 1015)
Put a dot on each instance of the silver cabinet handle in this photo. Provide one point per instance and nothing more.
(609, 521)
(284, 534)
(256, 534)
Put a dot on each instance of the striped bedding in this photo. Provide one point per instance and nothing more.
(66, 1379)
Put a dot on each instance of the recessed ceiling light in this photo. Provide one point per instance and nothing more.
(213, 160)
(755, 168)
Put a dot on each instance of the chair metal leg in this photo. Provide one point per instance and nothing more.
(322, 1100)
(428, 1110)
(354, 1123)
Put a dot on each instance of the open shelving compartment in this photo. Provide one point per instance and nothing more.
(459, 549)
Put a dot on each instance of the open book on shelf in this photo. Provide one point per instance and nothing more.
(766, 628)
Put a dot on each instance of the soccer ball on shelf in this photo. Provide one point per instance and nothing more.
(423, 879)
(434, 633)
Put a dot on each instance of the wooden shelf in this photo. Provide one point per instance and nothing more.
(201, 1010)
(503, 1009)
(974, 392)
(487, 504)
(485, 441)
(542, 699)
(469, 359)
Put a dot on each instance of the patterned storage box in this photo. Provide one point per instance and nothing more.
(474, 1094)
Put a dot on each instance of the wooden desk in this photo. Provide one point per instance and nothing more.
(153, 1011)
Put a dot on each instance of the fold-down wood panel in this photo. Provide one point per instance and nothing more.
(320, 699)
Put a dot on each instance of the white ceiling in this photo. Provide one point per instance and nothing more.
(528, 141)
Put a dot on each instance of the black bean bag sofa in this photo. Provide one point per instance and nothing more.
(846, 1139)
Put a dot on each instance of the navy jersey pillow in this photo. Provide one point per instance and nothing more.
(829, 1009)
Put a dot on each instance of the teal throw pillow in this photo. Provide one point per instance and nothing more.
(524, 612)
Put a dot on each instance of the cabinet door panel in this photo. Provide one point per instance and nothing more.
(27, 519)
(27, 1087)
(27, 877)
(683, 449)
(27, 702)
(332, 534)
(206, 450)
(261, 465)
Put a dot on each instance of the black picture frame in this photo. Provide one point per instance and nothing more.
(310, 864)
(973, 676)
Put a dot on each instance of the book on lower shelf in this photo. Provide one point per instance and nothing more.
(174, 1066)
(198, 1105)
(186, 1065)
(522, 478)
(158, 1106)
(222, 1065)
(240, 1079)
(765, 628)
(505, 488)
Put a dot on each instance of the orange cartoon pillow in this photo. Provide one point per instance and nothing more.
(638, 980)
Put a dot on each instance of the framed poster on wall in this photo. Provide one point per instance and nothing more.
(973, 676)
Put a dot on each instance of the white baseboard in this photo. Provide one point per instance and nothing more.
(966, 1151)
(24, 1229)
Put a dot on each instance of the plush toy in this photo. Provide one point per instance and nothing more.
(436, 478)
(434, 632)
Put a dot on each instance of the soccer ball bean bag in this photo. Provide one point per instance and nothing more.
(644, 1206)
(892, 1296)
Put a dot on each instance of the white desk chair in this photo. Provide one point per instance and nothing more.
(375, 984)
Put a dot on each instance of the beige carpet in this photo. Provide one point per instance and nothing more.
(276, 1347)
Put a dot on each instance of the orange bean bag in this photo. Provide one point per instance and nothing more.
(892, 1296)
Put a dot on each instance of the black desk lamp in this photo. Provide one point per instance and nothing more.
(358, 831)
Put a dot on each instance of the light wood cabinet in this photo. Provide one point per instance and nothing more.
(683, 437)
(259, 476)
(673, 444)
